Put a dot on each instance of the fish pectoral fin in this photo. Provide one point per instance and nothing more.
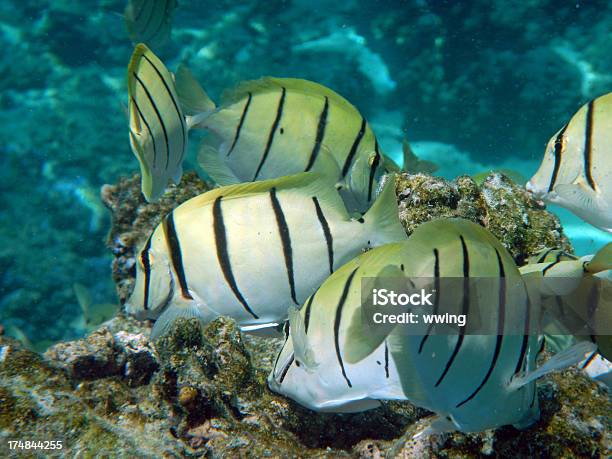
(564, 359)
(578, 194)
(602, 261)
(402, 355)
(302, 350)
(178, 173)
(180, 309)
(192, 97)
(361, 339)
(214, 166)
(359, 175)
(383, 216)
(326, 164)
(437, 425)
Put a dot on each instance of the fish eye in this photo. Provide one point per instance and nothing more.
(297, 363)
(145, 260)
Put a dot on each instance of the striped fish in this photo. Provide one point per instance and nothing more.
(149, 21)
(550, 255)
(331, 362)
(248, 251)
(158, 127)
(576, 172)
(278, 126)
(576, 296)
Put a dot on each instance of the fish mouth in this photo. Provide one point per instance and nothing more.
(536, 192)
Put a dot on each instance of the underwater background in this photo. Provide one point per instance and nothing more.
(471, 85)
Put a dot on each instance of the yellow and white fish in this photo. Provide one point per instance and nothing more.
(549, 255)
(576, 172)
(331, 362)
(248, 251)
(158, 126)
(576, 296)
(273, 127)
(149, 21)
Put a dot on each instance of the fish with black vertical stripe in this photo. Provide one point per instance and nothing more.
(158, 127)
(273, 127)
(333, 361)
(249, 251)
(149, 21)
(576, 171)
(576, 297)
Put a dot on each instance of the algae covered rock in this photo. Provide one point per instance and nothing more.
(102, 353)
(207, 396)
(521, 223)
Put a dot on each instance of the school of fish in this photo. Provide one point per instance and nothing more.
(332, 361)
(304, 190)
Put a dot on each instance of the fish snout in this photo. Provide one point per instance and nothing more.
(537, 192)
(135, 311)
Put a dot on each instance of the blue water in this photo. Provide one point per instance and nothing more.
(489, 81)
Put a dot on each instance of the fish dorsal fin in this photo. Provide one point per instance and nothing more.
(301, 347)
(192, 97)
(360, 341)
(602, 261)
(210, 161)
(272, 84)
(308, 183)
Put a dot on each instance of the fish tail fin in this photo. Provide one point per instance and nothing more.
(383, 216)
(193, 99)
(564, 359)
(179, 309)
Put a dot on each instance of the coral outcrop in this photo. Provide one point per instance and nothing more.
(203, 393)
(521, 223)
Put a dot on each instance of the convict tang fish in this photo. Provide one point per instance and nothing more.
(278, 126)
(576, 172)
(158, 126)
(249, 251)
(331, 362)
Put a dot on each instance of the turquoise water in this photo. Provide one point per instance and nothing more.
(472, 85)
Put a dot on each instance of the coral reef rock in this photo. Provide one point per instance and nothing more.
(202, 392)
(521, 223)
